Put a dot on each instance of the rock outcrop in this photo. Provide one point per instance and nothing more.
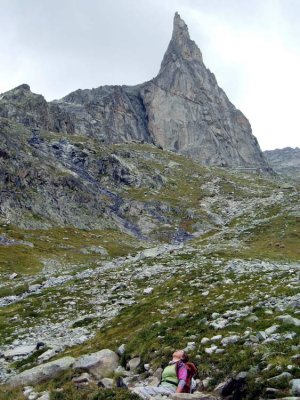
(285, 161)
(42, 372)
(189, 113)
(182, 109)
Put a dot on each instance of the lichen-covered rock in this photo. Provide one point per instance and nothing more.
(192, 396)
(100, 364)
(41, 372)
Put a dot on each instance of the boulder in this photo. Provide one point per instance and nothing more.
(44, 396)
(280, 377)
(271, 330)
(100, 364)
(41, 372)
(148, 290)
(121, 349)
(204, 340)
(19, 351)
(289, 320)
(133, 363)
(230, 340)
(192, 396)
(295, 383)
(83, 378)
(107, 383)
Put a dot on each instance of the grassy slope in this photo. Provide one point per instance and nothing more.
(177, 310)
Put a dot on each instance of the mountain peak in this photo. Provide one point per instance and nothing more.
(181, 47)
(24, 87)
(180, 28)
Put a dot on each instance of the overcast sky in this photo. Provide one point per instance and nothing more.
(252, 46)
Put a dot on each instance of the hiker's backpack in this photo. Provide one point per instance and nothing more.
(190, 382)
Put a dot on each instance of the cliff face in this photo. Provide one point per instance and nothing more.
(182, 109)
(285, 161)
(189, 113)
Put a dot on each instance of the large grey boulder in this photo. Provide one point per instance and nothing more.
(41, 372)
(295, 383)
(192, 396)
(289, 320)
(100, 364)
(19, 351)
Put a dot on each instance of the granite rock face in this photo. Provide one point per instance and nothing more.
(189, 113)
(182, 110)
(285, 161)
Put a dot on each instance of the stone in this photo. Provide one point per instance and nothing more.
(42, 372)
(33, 396)
(119, 286)
(219, 323)
(253, 339)
(121, 349)
(230, 340)
(27, 390)
(48, 354)
(206, 382)
(295, 390)
(242, 376)
(107, 383)
(133, 363)
(224, 388)
(190, 346)
(216, 338)
(192, 396)
(157, 373)
(153, 381)
(84, 377)
(280, 377)
(289, 320)
(44, 396)
(210, 350)
(94, 250)
(252, 318)
(204, 340)
(19, 351)
(261, 335)
(272, 329)
(100, 364)
(148, 290)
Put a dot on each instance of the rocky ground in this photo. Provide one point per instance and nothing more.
(129, 244)
(229, 295)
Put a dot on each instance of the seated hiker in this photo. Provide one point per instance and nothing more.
(175, 378)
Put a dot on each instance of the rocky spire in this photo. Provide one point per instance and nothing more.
(180, 29)
(181, 47)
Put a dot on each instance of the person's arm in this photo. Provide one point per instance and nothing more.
(182, 375)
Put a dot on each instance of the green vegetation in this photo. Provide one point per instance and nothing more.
(64, 245)
(238, 217)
